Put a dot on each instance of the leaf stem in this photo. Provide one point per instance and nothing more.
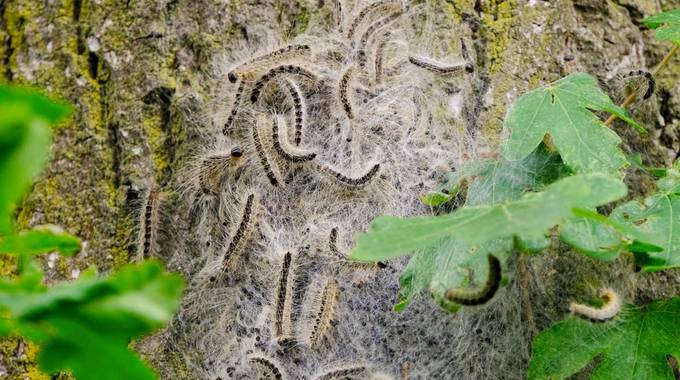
(631, 98)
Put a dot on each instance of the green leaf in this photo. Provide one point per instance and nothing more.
(449, 264)
(85, 326)
(667, 25)
(41, 239)
(528, 217)
(593, 238)
(24, 142)
(563, 110)
(633, 346)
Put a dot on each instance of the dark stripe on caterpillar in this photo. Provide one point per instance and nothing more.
(268, 365)
(324, 313)
(365, 12)
(234, 108)
(342, 373)
(282, 296)
(353, 182)
(298, 108)
(243, 232)
(471, 297)
(342, 92)
(233, 75)
(363, 42)
(438, 67)
(264, 160)
(634, 78)
(275, 72)
(280, 148)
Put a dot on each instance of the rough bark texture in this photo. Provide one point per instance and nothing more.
(139, 72)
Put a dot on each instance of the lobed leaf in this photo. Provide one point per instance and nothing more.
(667, 25)
(635, 345)
(564, 110)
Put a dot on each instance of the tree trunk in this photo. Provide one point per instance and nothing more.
(147, 80)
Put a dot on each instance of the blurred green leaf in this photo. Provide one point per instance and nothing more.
(633, 346)
(41, 239)
(528, 217)
(25, 116)
(563, 110)
(667, 25)
(85, 326)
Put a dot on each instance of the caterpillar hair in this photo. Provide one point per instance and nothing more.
(611, 307)
(234, 109)
(384, 5)
(212, 168)
(264, 159)
(275, 72)
(240, 71)
(324, 314)
(149, 218)
(363, 42)
(267, 365)
(472, 297)
(345, 372)
(640, 82)
(284, 299)
(281, 147)
(244, 231)
(343, 85)
(438, 67)
(298, 107)
(357, 182)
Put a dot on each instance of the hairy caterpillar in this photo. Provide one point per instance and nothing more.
(244, 231)
(264, 160)
(268, 365)
(405, 368)
(363, 42)
(212, 168)
(383, 5)
(640, 82)
(379, 53)
(353, 182)
(234, 108)
(337, 12)
(240, 71)
(438, 67)
(284, 299)
(470, 297)
(324, 313)
(343, 85)
(275, 72)
(280, 146)
(611, 307)
(342, 372)
(149, 222)
(298, 107)
(333, 247)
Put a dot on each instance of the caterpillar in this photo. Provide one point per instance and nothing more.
(264, 160)
(640, 82)
(333, 243)
(345, 80)
(438, 67)
(363, 42)
(324, 313)
(379, 53)
(342, 372)
(472, 297)
(244, 231)
(240, 71)
(298, 107)
(405, 368)
(280, 146)
(212, 167)
(284, 297)
(337, 12)
(611, 307)
(275, 72)
(353, 182)
(378, 5)
(234, 109)
(268, 365)
(149, 218)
